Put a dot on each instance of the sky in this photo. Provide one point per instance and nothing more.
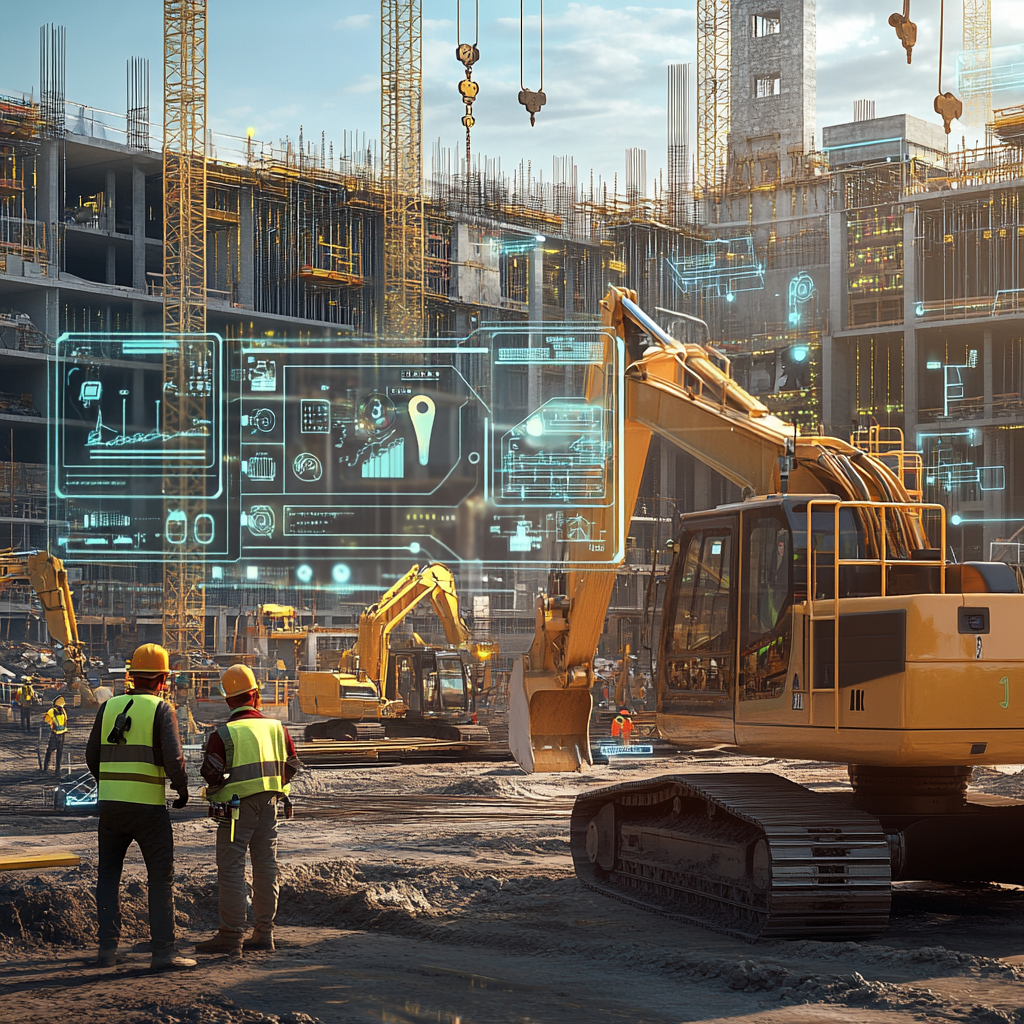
(275, 66)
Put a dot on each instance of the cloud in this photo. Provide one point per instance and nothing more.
(353, 23)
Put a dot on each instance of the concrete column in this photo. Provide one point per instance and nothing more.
(49, 201)
(910, 298)
(535, 296)
(51, 324)
(836, 272)
(138, 228)
(986, 364)
(246, 281)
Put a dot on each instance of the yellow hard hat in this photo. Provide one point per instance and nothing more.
(59, 702)
(238, 679)
(150, 658)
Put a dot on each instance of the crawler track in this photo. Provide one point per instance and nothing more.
(750, 854)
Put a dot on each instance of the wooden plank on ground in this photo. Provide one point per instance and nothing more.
(27, 858)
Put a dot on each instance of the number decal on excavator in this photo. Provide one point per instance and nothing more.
(1005, 683)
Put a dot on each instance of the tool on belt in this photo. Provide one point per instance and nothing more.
(227, 812)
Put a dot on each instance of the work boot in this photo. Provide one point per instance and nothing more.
(107, 956)
(169, 960)
(261, 939)
(223, 942)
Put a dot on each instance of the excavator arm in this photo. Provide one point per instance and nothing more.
(434, 582)
(49, 580)
(682, 393)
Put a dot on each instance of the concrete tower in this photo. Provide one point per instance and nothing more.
(773, 87)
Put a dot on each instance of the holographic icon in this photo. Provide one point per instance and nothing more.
(376, 414)
(307, 467)
(421, 412)
(260, 521)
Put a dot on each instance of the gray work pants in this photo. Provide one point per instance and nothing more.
(255, 831)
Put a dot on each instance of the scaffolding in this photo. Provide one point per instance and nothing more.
(977, 59)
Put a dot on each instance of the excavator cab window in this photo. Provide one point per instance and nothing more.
(698, 653)
(454, 692)
(851, 542)
(766, 607)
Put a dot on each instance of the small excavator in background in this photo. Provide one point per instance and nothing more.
(49, 579)
(815, 619)
(400, 690)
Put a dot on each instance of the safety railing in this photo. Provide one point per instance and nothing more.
(887, 444)
(874, 514)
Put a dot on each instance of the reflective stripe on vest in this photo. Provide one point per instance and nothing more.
(128, 771)
(255, 755)
(60, 722)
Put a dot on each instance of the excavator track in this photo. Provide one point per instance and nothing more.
(752, 854)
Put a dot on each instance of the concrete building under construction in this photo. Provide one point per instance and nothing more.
(871, 282)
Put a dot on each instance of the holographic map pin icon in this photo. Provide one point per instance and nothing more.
(421, 412)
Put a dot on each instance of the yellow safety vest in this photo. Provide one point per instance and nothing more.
(255, 757)
(57, 719)
(26, 695)
(128, 771)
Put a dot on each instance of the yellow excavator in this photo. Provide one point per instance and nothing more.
(386, 689)
(49, 580)
(926, 679)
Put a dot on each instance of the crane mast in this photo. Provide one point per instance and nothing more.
(184, 175)
(402, 166)
(714, 39)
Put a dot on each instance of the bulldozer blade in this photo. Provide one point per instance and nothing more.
(548, 724)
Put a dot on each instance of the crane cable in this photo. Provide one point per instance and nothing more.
(530, 99)
(468, 54)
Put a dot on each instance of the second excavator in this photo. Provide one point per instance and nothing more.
(815, 619)
(388, 689)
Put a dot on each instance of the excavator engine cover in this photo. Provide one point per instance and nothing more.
(752, 855)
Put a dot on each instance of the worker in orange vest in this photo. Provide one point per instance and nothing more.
(622, 726)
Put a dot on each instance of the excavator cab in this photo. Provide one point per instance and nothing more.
(432, 683)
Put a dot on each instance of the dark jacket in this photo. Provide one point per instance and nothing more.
(166, 746)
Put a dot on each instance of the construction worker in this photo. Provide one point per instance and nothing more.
(132, 751)
(57, 719)
(26, 698)
(251, 758)
(622, 726)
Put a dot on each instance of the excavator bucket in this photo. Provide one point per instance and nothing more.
(548, 724)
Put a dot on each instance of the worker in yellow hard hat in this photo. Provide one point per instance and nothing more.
(56, 718)
(132, 752)
(26, 697)
(248, 765)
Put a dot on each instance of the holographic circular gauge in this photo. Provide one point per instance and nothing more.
(375, 414)
(263, 420)
(306, 466)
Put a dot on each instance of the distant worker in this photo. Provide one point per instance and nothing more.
(622, 726)
(57, 719)
(26, 698)
(132, 751)
(248, 765)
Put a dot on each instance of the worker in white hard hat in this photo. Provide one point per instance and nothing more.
(248, 765)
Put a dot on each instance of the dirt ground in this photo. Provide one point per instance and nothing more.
(445, 893)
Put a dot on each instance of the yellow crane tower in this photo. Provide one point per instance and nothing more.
(401, 134)
(977, 52)
(714, 39)
(184, 172)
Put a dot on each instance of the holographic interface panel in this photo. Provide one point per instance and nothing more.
(503, 448)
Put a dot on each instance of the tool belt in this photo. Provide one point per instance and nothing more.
(229, 811)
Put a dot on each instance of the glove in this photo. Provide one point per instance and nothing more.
(181, 801)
